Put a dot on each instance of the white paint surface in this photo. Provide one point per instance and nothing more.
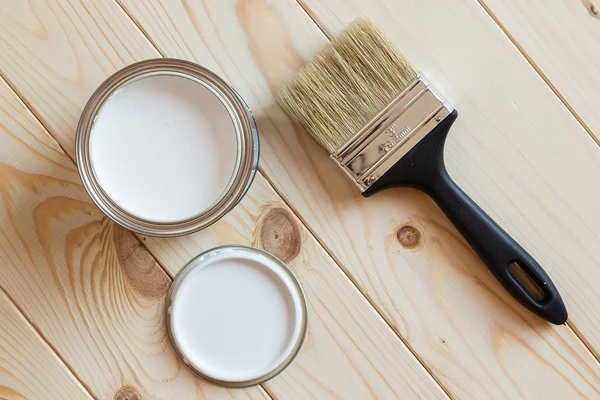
(163, 148)
(236, 315)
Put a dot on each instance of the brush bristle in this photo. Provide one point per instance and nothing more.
(345, 85)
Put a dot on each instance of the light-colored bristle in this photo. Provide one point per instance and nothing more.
(345, 85)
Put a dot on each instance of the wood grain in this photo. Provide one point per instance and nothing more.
(88, 286)
(51, 38)
(29, 369)
(561, 39)
(350, 351)
(437, 295)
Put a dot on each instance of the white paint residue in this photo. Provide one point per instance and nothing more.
(236, 317)
(163, 148)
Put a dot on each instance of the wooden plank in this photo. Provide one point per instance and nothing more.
(29, 369)
(435, 292)
(75, 32)
(86, 284)
(562, 41)
(350, 350)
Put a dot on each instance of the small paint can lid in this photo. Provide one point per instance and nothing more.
(236, 315)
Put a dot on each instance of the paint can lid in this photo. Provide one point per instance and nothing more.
(236, 315)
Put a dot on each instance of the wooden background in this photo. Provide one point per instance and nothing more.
(399, 306)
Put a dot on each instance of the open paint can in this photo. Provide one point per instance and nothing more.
(165, 147)
(236, 316)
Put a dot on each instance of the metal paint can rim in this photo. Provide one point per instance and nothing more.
(245, 130)
(299, 292)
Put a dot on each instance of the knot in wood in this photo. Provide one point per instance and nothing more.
(141, 270)
(127, 393)
(592, 8)
(279, 234)
(409, 236)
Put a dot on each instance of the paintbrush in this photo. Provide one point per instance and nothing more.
(385, 126)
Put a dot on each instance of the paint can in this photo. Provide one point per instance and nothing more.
(166, 148)
(236, 316)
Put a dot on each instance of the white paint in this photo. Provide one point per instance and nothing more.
(236, 315)
(163, 148)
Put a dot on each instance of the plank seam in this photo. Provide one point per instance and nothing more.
(140, 28)
(566, 104)
(539, 71)
(83, 386)
(313, 19)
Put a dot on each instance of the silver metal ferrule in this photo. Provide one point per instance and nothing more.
(392, 133)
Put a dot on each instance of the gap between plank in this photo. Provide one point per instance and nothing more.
(140, 28)
(566, 104)
(37, 332)
(304, 223)
(312, 18)
(538, 70)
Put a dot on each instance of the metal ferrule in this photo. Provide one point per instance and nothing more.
(392, 133)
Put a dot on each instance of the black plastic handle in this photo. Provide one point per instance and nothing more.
(423, 167)
(499, 251)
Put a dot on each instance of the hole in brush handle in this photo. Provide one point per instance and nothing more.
(527, 282)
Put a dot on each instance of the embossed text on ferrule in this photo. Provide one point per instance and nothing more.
(395, 138)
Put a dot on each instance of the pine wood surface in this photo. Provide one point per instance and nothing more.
(28, 366)
(399, 306)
